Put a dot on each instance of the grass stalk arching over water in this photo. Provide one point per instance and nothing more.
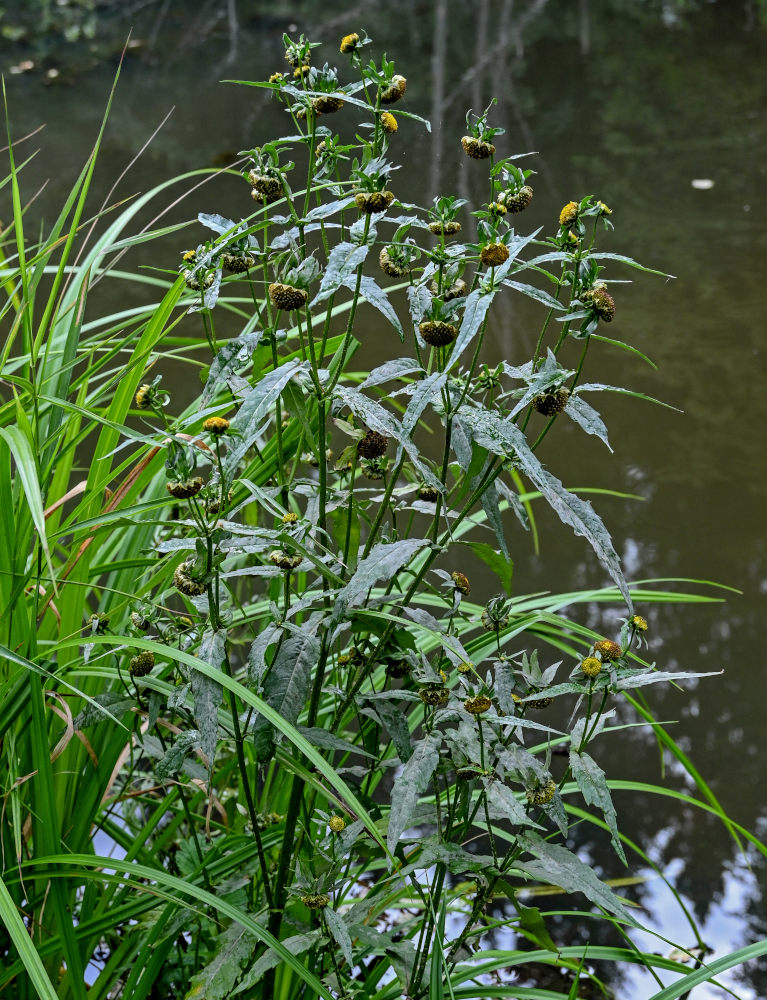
(254, 667)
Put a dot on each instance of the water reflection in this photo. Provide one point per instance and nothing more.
(618, 107)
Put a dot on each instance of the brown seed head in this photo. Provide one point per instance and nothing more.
(184, 489)
(185, 583)
(494, 254)
(141, 664)
(519, 202)
(461, 582)
(550, 403)
(436, 333)
(607, 649)
(284, 560)
(371, 202)
(541, 794)
(315, 901)
(478, 704)
(445, 228)
(395, 91)
(428, 493)
(435, 696)
(372, 445)
(477, 149)
(287, 297)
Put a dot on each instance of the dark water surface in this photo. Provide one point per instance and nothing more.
(630, 101)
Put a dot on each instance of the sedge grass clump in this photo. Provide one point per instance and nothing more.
(320, 655)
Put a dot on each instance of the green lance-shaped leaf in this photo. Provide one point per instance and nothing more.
(231, 356)
(372, 292)
(26, 468)
(555, 865)
(296, 945)
(394, 720)
(378, 419)
(412, 783)
(207, 694)
(391, 370)
(383, 563)
(504, 438)
(499, 563)
(587, 418)
(343, 261)
(218, 978)
(504, 802)
(173, 760)
(477, 304)
(424, 391)
(452, 856)
(592, 782)
(339, 932)
(286, 687)
(628, 679)
(255, 408)
(536, 293)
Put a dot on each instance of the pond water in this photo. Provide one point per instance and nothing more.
(637, 103)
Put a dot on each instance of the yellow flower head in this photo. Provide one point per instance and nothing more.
(216, 425)
(336, 824)
(569, 214)
(389, 122)
(350, 42)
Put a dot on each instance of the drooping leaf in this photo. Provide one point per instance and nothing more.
(628, 679)
(340, 933)
(452, 856)
(533, 926)
(232, 355)
(383, 563)
(503, 801)
(391, 370)
(592, 782)
(394, 721)
(477, 305)
(535, 293)
(104, 706)
(556, 865)
(587, 418)
(411, 784)
(343, 261)
(286, 687)
(372, 292)
(504, 438)
(217, 979)
(329, 741)
(207, 694)
(254, 409)
(296, 945)
(174, 758)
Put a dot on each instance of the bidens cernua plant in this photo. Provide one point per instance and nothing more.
(331, 761)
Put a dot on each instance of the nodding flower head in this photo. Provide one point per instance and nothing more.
(349, 42)
(389, 122)
(477, 705)
(638, 623)
(551, 403)
(372, 445)
(541, 793)
(569, 215)
(461, 583)
(608, 649)
(494, 254)
(141, 664)
(315, 900)
(394, 91)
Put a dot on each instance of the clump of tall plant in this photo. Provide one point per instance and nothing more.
(259, 736)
